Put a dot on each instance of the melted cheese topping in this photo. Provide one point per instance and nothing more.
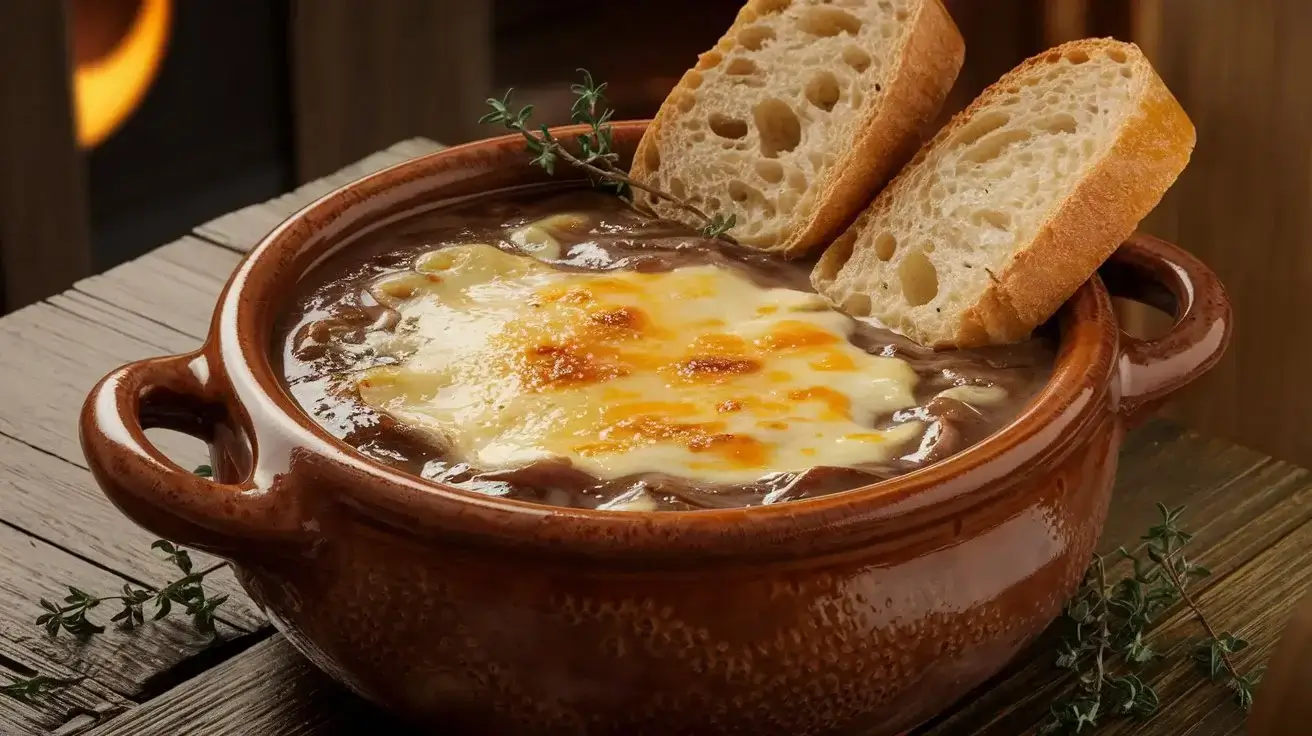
(695, 372)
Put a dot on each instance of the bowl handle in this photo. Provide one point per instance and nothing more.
(1164, 276)
(179, 393)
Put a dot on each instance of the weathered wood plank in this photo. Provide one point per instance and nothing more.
(161, 288)
(51, 355)
(120, 320)
(1239, 504)
(145, 307)
(242, 229)
(268, 690)
(60, 503)
(117, 663)
(88, 700)
(1254, 603)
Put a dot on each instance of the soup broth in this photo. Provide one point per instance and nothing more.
(565, 349)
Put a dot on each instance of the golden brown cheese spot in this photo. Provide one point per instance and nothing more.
(728, 406)
(736, 449)
(834, 360)
(771, 424)
(580, 348)
(717, 342)
(767, 310)
(714, 368)
(838, 405)
(620, 323)
(568, 364)
(698, 437)
(779, 376)
(808, 451)
(566, 294)
(795, 335)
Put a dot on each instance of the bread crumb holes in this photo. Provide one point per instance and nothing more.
(770, 171)
(753, 38)
(727, 127)
(918, 279)
(857, 58)
(822, 90)
(741, 67)
(885, 246)
(779, 128)
(652, 158)
(826, 21)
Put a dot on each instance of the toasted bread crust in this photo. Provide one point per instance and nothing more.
(892, 125)
(1150, 150)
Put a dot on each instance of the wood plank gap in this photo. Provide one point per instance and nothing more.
(119, 660)
(111, 328)
(129, 310)
(204, 661)
(221, 581)
(117, 319)
(270, 689)
(55, 456)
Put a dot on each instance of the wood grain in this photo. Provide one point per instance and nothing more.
(88, 701)
(1239, 69)
(1239, 504)
(117, 664)
(242, 229)
(44, 238)
(269, 690)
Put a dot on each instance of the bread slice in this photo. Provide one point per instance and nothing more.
(799, 114)
(1016, 202)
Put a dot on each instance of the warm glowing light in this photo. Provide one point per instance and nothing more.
(106, 90)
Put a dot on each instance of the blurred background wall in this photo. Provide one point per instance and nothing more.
(124, 122)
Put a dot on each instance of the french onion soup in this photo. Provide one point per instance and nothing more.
(565, 349)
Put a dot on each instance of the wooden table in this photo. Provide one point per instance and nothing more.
(1250, 515)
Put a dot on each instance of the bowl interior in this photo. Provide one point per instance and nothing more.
(259, 291)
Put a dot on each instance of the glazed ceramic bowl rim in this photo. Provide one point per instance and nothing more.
(1087, 347)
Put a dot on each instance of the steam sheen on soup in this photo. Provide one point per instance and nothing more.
(568, 350)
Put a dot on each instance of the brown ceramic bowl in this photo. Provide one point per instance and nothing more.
(866, 611)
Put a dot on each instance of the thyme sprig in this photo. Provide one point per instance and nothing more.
(187, 591)
(31, 689)
(596, 147)
(1109, 623)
